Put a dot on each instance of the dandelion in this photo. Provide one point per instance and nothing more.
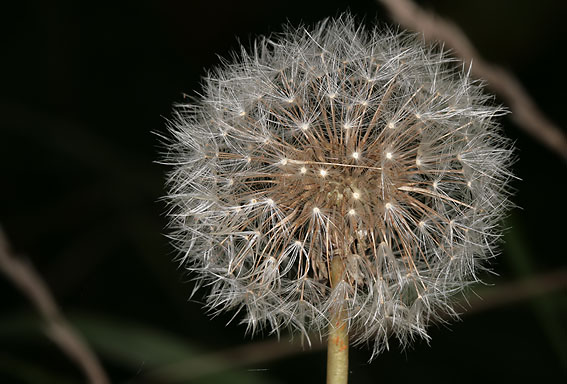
(340, 181)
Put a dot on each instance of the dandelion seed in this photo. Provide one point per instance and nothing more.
(386, 267)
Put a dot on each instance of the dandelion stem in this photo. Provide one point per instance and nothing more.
(337, 346)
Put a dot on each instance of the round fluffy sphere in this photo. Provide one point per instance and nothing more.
(337, 142)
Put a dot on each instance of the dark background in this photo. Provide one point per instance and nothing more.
(84, 88)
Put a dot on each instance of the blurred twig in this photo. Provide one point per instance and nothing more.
(263, 351)
(525, 112)
(517, 291)
(251, 354)
(24, 276)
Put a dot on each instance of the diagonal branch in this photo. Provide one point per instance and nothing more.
(24, 276)
(525, 112)
(268, 350)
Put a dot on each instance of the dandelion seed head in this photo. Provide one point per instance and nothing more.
(258, 213)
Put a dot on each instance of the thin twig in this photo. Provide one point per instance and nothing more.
(524, 110)
(517, 291)
(24, 276)
(268, 350)
(251, 354)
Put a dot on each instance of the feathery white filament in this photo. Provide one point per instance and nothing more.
(269, 183)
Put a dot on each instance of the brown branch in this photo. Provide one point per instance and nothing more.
(250, 354)
(24, 276)
(269, 350)
(517, 291)
(525, 112)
